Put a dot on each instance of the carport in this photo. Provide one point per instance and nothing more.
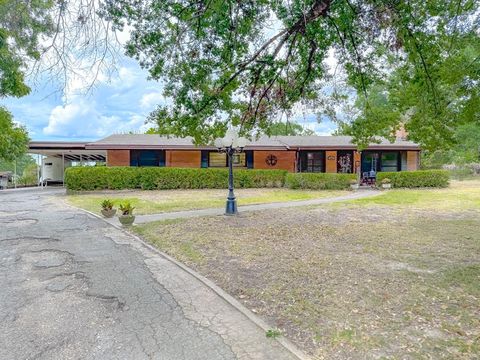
(54, 157)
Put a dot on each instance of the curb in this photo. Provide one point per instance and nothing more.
(287, 345)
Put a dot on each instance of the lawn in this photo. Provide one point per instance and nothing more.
(152, 202)
(395, 276)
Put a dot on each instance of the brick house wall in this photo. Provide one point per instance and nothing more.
(118, 157)
(285, 160)
(413, 160)
(330, 161)
(183, 159)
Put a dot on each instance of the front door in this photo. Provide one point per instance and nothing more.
(370, 161)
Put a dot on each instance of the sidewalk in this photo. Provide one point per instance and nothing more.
(141, 219)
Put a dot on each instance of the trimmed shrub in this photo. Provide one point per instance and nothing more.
(150, 178)
(319, 181)
(416, 179)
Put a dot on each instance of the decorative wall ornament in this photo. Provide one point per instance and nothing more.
(271, 160)
(345, 163)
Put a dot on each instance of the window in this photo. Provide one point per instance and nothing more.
(380, 161)
(147, 158)
(389, 161)
(217, 159)
(312, 161)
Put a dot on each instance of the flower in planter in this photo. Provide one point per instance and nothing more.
(386, 181)
(126, 208)
(107, 204)
(107, 208)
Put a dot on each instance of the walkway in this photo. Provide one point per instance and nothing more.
(140, 219)
(74, 287)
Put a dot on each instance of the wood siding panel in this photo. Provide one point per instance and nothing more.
(118, 157)
(330, 161)
(183, 159)
(412, 160)
(357, 160)
(285, 160)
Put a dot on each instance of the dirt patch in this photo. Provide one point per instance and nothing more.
(345, 281)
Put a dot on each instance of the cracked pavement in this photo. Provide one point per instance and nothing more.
(74, 287)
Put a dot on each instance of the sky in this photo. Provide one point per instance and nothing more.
(116, 105)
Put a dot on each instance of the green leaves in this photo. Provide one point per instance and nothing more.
(13, 138)
(247, 63)
(21, 24)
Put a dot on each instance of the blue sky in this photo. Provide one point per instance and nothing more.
(120, 104)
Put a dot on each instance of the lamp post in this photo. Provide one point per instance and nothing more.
(230, 144)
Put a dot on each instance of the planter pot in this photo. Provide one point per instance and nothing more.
(126, 220)
(387, 186)
(354, 186)
(109, 213)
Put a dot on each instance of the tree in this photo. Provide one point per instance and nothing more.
(245, 62)
(21, 24)
(432, 96)
(21, 163)
(13, 138)
(59, 40)
(466, 149)
(288, 129)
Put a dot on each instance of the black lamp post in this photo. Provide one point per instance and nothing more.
(231, 144)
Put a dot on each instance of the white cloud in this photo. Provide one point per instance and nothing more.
(150, 100)
(80, 119)
(126, 78)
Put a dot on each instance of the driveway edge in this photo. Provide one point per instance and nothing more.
(287, 344)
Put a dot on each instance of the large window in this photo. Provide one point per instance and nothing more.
(380, 161)
(147, 158)
(390, 161)
(312, 161)
(218, 159)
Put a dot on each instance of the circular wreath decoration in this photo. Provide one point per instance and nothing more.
(271, 160)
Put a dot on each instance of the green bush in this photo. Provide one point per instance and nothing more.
(150, 178)
(319, 181)
(416, 179)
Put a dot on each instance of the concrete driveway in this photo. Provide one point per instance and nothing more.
(74, 287)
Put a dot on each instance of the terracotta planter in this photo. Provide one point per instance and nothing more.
(126, 220)
(108, 213)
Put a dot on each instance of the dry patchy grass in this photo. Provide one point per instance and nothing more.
(152, 202)
(364, 279)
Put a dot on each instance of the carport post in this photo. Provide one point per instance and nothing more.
(43, 170)
(38, 170)
(63, 169)
(15, 173)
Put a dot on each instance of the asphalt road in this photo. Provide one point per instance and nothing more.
(73, 287)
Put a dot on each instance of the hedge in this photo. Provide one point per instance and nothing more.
(319, 181)
(416, 179)
(150, 178)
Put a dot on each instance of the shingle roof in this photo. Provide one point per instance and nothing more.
(128, 141)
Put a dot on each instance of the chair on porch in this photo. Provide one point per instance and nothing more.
(369, 178)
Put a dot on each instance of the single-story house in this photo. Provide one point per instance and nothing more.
(329, 154)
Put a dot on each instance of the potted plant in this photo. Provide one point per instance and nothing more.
(386, 183)
(107, 208)
(126, 216)
(354, 184)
